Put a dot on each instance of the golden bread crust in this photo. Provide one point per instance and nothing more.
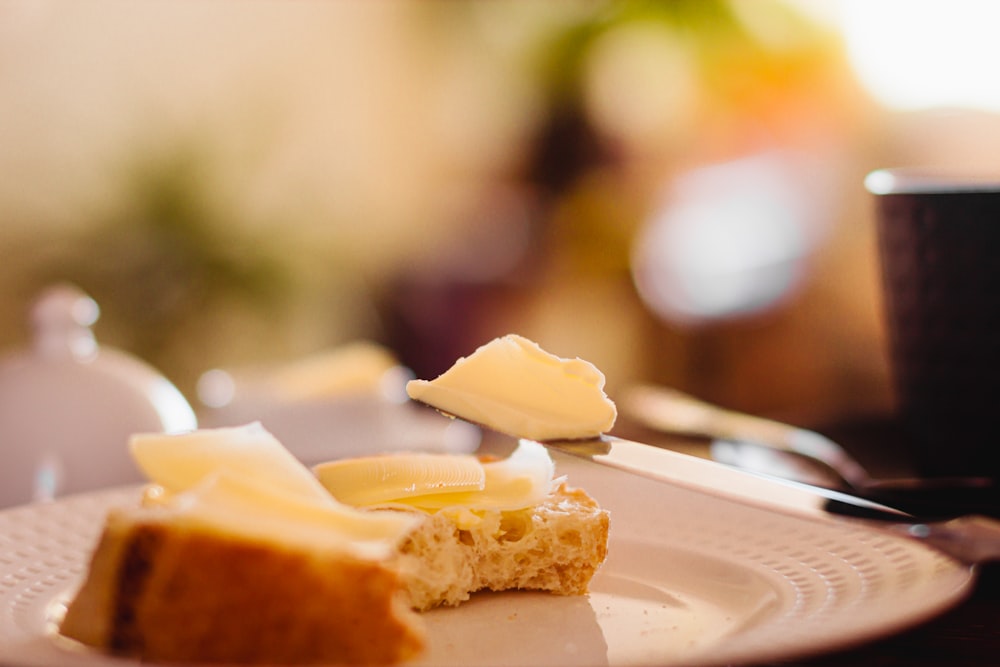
(175, 591)
(183, 594)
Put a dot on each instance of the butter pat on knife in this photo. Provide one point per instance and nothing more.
(513, 386)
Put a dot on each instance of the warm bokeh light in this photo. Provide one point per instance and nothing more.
(257, 185)
(919, 54)
(732, 239)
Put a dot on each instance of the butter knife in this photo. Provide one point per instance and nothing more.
(970, 539)
(752, 442)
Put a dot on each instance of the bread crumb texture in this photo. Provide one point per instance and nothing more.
(556, 546)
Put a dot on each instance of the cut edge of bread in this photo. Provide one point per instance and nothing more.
(555, 546)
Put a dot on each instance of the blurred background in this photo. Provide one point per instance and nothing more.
(672, 190)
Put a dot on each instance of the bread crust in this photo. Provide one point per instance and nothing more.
(177, 593)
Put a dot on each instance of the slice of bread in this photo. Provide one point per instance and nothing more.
(555, 546)
(164, 590)
(238, 569)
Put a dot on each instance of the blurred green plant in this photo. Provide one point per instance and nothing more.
(167, 255)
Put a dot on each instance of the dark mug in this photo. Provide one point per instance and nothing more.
(939, 250)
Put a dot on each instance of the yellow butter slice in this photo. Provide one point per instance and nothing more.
(437, 481)
(521, 480)
(378, 479)
(178, 462)
(243, 480)
(513, 386)
(252, 507)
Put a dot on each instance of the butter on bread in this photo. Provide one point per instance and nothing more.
(520, 529)
(243, 558)
(556, 546)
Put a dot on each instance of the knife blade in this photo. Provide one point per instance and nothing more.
(701, 474)
(971, 539)
(784, 450)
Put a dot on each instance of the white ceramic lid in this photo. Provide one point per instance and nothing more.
(69, 405)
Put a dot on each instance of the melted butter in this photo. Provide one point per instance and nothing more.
(521, 480)
(378, 479)
(513, 386)
(464, 518)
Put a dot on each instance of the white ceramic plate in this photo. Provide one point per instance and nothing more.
(691, 579)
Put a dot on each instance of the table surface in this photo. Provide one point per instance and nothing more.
(968, 634)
